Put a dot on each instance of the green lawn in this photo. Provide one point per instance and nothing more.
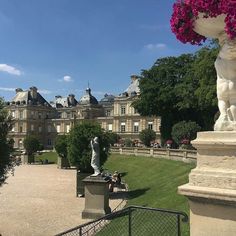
(50, 156)
(153, 182)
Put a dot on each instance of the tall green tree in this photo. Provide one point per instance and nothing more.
(79, 149)
(6, 146)
(180, 88)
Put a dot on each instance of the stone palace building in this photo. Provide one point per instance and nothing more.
(33, 115)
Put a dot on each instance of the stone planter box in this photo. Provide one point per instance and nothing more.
(79, 183)
(62, 163)
(28, 159)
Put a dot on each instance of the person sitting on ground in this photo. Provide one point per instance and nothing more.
(115, 180)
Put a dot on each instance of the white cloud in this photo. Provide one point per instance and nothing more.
(7, 89)
(10, 69)
(66, 78)
(157, 46)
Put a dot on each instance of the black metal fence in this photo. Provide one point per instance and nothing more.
(133, 221)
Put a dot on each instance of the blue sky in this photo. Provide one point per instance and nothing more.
(61, 45)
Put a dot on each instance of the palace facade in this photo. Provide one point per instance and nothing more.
(33, 115)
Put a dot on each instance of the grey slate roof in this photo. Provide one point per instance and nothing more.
(60, 102)
(88, 98)
(108, 99)
(133, 87)
(24, 97)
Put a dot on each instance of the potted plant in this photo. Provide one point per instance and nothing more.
(31, 145)
(61, 149)
(194, 20)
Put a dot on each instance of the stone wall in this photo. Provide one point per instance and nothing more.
(172, 154)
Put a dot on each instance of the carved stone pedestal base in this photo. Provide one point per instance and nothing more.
(212, 185)
(96, 198)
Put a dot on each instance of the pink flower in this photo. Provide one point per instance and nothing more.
(185, 11)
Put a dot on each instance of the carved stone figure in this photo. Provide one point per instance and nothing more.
(225, 65)
(95, 160)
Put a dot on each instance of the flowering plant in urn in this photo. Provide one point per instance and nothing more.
(186, 12)
(192, 22)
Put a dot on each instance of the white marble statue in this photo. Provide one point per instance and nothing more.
(95, 160)
(225, 65)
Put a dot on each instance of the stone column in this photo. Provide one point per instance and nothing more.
(96, 198)
(211, 190)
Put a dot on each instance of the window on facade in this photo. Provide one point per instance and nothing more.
(40, 115)
(32, 127)
(20, 143)
(32, 114)
(49, 142)
(150, 125)
(13, 128)
(67, 128)
(40, 129)
(136, 127)
(135, 111)
(21, 129)
(49, 129)
(58, 128)
(108, 112)
(122, 127)
(122, 110)
(67, 115)
(109, 127)
(21, 115)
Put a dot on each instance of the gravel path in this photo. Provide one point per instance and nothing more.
(40, 200)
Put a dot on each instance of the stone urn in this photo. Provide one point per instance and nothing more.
(211, 27)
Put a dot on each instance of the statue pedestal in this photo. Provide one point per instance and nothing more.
(211, 190)
(96, 198)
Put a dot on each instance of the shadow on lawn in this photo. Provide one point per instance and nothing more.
(136, 193)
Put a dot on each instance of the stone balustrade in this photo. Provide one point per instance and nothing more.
(172, 154)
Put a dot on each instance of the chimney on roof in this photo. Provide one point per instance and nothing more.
(19, 90)
(33, 92)
(133, 77)
(71, 98)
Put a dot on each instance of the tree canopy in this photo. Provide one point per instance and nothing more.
(79, 150)
(5, 144)
(180, 88)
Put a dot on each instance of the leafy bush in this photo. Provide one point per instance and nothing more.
(31, 145)
(6, 146)
(128, 142)
(61, 145)
(112, 138)
(79, 150)
(185, 131)
(146, 136)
